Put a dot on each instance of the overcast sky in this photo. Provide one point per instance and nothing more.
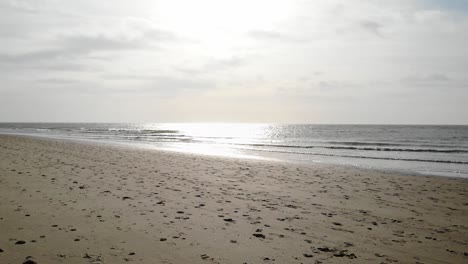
(317, 61)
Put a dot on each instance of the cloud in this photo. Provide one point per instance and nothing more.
(12, 64)
(212, 66)
(84, 44)
(23, 5)
(62, 66)
(69, 50)
(51, 36)
(372, 27)
(146, 30)
(431, 79)
(430, 16)
(438, 77)
(58, 81)
(266, 35)
(158, 84)
(29, 57)
(140, 50)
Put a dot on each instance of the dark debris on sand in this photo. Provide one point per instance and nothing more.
(29, 260)
(259, 235)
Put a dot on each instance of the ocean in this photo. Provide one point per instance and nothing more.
(420, 149)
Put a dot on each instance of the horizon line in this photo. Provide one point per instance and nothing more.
(258, 123)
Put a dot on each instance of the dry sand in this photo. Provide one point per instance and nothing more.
(71, 202)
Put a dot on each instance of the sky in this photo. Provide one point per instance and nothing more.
(267, 61)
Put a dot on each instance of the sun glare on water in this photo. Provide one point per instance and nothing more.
(221, 136)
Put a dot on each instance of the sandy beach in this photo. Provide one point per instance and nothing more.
(75, 202)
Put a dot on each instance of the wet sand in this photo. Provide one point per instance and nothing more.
(72, 202)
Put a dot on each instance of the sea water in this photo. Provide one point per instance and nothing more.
(426, 149)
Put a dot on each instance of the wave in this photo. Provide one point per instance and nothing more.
(159, 131)
(369, 157)
(361, 148)
(384, 144)
(165, 134)
(403, 149)
(129, 131)
(360, 143)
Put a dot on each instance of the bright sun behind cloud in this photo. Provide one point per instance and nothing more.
(219, 27)
(332, 61)
(207, 17)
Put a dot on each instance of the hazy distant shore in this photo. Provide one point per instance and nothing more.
(71, 202)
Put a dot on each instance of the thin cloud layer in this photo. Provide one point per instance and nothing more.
(316, 62)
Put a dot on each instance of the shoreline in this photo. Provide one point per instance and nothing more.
(74, 202)
(149, 147)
